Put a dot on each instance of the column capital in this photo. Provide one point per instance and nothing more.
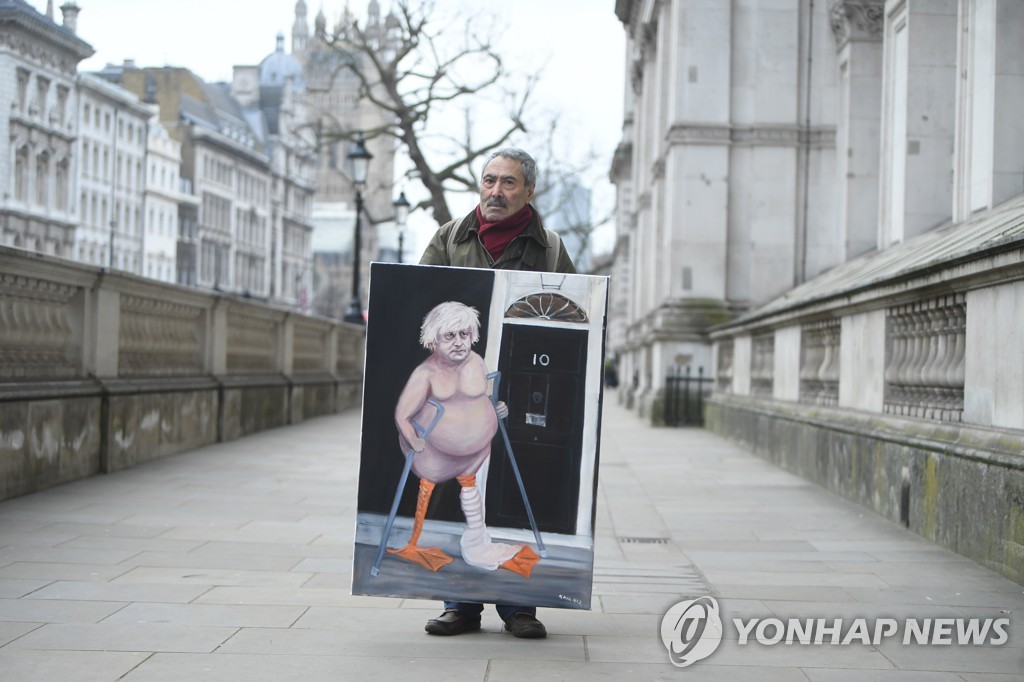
(858, 20)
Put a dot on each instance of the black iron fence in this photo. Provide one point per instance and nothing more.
(684, 396)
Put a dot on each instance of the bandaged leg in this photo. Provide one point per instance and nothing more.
(477, 547)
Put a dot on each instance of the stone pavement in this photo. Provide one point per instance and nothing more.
(233, 563)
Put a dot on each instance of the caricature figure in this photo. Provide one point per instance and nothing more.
(456, 377)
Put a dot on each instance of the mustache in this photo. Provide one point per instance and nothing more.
(497, 201)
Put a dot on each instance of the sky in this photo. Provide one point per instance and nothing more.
(578, 44)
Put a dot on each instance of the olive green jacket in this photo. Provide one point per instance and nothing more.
(457, 243)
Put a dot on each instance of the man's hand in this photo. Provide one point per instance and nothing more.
(418, 444)
(502, 409)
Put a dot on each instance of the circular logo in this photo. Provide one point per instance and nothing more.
(691, 630)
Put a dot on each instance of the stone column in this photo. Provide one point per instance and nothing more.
(217, 338)
(918, 117)
(103, 328)
(857, 27)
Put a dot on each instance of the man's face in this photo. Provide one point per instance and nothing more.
(503, 189)
(454, 345)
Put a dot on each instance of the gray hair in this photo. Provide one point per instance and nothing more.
(450, 316)
(525, 160)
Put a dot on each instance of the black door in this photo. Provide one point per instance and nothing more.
(542, 382)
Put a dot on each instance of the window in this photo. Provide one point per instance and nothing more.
(42, 93)
(23, 77)
(62, 105)
(43, 179)
(61, 181)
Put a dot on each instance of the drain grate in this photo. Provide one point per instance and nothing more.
(634, 540)
(621, 578)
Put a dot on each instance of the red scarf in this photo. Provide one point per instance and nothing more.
(496, 236)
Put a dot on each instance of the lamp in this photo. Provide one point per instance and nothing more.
(401, 205)
(360, 159)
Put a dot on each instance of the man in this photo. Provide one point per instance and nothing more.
(503, 232)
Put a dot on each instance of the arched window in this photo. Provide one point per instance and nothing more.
(547, 306)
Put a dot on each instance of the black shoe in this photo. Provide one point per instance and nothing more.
(453, 622)
(522, 624)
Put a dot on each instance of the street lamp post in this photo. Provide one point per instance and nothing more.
(401, 205)
(360, 159)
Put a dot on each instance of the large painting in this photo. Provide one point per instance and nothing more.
(480, 435)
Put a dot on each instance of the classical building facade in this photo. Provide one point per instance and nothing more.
(851, 181)
(39, 207)
(164, 195)
(332, 97)
(724, 173)
(248, 159)
(112, 145)
(153, 171)
(231, 168)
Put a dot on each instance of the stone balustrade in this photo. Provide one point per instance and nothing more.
(819, 362)
(101, 370)
(910, 397)
(762, 364)
(924, 371)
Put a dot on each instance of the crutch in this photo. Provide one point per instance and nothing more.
(423, 433)
(496, 376)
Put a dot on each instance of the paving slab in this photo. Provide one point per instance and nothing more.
(117, 592)
(139, 637)
(283, 668)
(57, 610)
(233, 562)
(68, 666)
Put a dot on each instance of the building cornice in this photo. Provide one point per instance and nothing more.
(22, 18)
(215, 139)
(752, 136)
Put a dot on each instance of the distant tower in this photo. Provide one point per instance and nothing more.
(333, 97)
(300, 30)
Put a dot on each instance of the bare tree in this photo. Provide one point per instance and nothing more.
(566, 189)
(429, 66)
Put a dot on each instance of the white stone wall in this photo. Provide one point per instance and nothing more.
(994, 373)
(862, 361)
(786, 384)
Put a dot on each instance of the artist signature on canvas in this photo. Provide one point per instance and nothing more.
(574, 600)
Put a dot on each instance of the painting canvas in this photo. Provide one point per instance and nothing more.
(480, 435)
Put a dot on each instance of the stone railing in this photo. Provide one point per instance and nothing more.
(910, 394)
(924, 369)
(819, 363)
(102, 370)
(762, 366)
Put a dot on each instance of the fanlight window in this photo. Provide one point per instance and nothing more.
(547, 306)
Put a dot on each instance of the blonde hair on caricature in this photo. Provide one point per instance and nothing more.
(449, 316)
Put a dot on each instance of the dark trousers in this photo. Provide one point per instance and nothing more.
(505, 611)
